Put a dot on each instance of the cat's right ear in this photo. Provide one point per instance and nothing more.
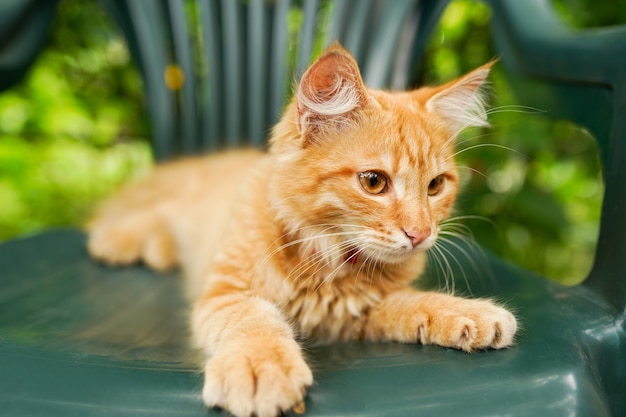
(329, 93)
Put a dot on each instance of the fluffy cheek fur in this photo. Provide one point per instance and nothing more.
(318, 193)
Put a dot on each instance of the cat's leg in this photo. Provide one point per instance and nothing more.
(433, 318)
(254, 366)
(132, 237)
(135, 225)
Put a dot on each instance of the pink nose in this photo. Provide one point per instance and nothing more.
(417, 236)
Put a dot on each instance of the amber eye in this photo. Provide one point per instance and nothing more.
(373, 182)
(436, 185)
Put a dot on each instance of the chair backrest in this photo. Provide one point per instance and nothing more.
(239, 59)
(579, 75)
(24, 28)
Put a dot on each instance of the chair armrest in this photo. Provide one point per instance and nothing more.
(579, 75)
(541, 45)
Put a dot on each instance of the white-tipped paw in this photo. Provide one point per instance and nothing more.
(257, 379)
(117, 245)
(114, 246)
(470, 325)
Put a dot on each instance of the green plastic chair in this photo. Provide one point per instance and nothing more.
(81, 339)
(24, 25)
(258, 58)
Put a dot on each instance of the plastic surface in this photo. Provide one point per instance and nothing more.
(82, 339)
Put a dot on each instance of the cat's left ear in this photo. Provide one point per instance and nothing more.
(461, 103)
(329, 93)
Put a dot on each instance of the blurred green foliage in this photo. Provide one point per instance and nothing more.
(535, 183)
(75, 129)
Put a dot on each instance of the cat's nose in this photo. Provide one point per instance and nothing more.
(417, 236)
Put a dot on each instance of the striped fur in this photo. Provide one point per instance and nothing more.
(291, 244)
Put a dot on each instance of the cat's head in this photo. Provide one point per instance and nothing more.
(368, 172)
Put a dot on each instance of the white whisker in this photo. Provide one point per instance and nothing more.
(446, 251)
(487, 145)
(514, 108)
(335, 251)
(444, 266)
(472, 170)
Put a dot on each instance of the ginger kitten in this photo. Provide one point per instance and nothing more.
(320, 237)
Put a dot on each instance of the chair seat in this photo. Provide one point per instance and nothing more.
(81, 339)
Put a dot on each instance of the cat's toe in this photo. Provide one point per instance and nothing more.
(505, 327)
(159, 250)
(462, 334)
(496, 327)
(113, 247)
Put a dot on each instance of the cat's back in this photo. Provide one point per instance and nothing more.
(164, 217)
(203, 193)
(185, 182)
(219, 170)
(205, 187)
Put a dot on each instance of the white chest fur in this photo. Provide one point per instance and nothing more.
(333, 309)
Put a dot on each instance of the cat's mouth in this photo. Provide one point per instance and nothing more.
(352, 255)
(392, 254)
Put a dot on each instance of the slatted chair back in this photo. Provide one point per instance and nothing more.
(218, 73)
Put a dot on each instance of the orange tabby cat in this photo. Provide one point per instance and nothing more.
(321, 237)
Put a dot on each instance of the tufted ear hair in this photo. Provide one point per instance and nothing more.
(461, 102)
(330, 91)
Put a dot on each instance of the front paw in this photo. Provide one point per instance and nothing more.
(113, 246)
(124, 245)
(257, 377)
(468, 325)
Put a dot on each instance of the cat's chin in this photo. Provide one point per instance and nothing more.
(393, 257)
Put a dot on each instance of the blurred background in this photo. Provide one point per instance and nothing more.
(75, 129)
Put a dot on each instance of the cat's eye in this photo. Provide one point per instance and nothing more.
(373, 182)
(435, 187)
